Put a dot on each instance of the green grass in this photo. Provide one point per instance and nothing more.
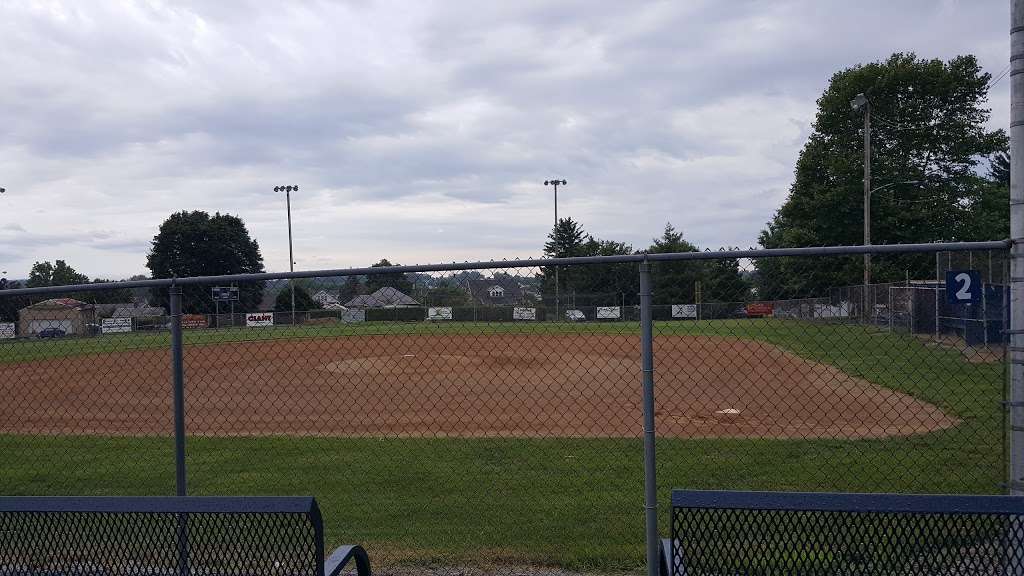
(572, 502)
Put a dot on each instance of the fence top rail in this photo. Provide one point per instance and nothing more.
(501, 264)
(163, 504)
(848, 502)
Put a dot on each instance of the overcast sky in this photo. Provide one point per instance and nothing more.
(422, 131)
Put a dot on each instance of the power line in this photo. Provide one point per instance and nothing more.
(1001, 75)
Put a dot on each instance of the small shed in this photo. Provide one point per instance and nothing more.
(67, 314)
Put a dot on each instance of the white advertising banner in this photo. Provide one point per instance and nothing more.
(6, 330)
(115, 325)
(439, 313)
(609, 312)
(259, 319)
(684, 310)
(524, 313)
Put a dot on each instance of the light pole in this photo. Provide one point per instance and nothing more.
(861, 102)
(556, 184)
(291, 259)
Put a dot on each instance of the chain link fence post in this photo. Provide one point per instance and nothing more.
(178, 377)
(1016, 328)
(647, 369)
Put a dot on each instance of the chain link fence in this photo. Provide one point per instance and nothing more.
(461, 416)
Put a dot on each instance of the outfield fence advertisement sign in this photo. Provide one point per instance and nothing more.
(115, 325)
(684, 310)
(439, 313)
(193, 321)
(6, 330)
(760, 309)
(609, 312)
(524, 313)
(259, 319)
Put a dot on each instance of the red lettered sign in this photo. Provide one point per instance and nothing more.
(193, 321)
(759, 309)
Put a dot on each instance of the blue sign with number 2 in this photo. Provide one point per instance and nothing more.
(963, 286)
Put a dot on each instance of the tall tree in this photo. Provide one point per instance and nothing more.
(351, 288)
(674, 282)
(113, 295)
(566, 240)
(999, 168)
(445, 293)
(928, 126)
(303, 300)
(197, 244)
(723, 280)
(59, 274)
(606, 284)
(396, 280)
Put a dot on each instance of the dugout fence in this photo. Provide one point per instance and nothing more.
(737, 370)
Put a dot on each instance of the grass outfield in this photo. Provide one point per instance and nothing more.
(573, 502)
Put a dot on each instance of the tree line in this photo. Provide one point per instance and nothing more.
(679, 282)
(929, 152)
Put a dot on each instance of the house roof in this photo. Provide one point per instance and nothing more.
(128, 310)
(324, 298)
(386, 297)
(139, 312)
(54, 303)
(480, 290)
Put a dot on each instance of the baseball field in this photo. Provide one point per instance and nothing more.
(483, 443)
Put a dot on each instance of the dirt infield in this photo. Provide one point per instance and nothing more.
(465, 386)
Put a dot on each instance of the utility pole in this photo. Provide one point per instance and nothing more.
(861, 102)
(556, 183)
(291, 258)
(1016, 329)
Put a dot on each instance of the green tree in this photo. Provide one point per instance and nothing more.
(999, 168)
(197, 244)
(351, 288)
(928, 126)
(674, 282)
(108, 296)
(396, 280)
(723, 280)
(59, 274)
(444, 293)
(566, 240)
(62, 274)
(9, 305)
(606, 284)
(303, 300)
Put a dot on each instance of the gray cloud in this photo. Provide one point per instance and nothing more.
(422, 131)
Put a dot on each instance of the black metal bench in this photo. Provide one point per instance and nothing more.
(717, 532)
(158, 536)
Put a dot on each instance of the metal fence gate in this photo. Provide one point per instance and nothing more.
(458, 417)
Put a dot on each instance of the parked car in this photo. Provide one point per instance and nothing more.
(52, 333)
